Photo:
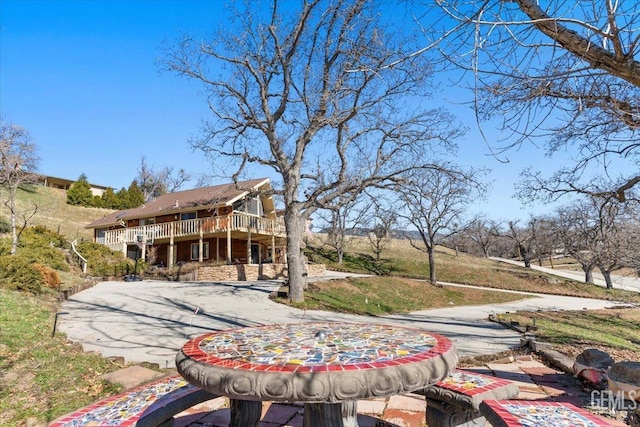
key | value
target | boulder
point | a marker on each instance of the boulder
(595, 358)
(629, 372)
(625, 377)
(592, 365)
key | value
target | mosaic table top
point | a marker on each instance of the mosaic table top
(521, 413)
(471, 383)
(471, 388)
(368, 360)
(125, 409)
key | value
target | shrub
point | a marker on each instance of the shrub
(5, 246)
(102, 261)
(41, 236)
(172, 273)
(17, 273)
(5, 225)
(51, 277)
(42, 246)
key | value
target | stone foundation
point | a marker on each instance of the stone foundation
(244, 272)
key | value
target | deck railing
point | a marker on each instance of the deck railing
(193, 227)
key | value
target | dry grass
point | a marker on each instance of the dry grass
(55, 214)
(401, 259)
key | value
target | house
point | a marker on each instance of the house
(65, 184)
(222, 224)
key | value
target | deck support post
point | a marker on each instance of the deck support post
(200, 245)
(248, 245)
(171, 248)
(229, 242)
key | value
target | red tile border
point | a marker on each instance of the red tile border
(500, 408)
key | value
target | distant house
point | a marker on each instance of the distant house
(65, 184)
(225, 224)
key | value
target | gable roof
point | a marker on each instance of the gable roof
(187, 200)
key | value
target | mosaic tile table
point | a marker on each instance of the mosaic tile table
(329, 366)
(524, 413)
(148, 405)
(455, 401)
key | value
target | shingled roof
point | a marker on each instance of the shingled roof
(187, 200)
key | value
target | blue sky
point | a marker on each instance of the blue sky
(82, 77)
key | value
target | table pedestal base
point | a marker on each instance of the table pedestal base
(245, 413)
(442, 414)
(344, 414)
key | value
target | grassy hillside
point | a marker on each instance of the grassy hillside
(54, 213)
(400, 259)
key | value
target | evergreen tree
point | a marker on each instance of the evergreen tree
(109, 199)
(79, 193)
(96, 202)
(122, 199)
(135, 196)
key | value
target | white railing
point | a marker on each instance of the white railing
(192, 227)
(83, 260)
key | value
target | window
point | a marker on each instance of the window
(195, 255)
(255, 206)
(251, 205)
(187, 215)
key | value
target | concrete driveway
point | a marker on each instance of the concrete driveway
(149, 321)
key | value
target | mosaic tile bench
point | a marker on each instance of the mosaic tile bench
(152, 405)
(455, 401)
(526, 413)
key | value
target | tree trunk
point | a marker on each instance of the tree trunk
(12, 207)
(588, 275)
(340, 253)
(432, 265)
(296, 270)
(607, 278)
(525, 256)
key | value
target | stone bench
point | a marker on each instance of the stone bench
(518, 413)
(152, 404)
(455, 401)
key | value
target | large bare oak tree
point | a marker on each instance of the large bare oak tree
(18, 164)
(562, 73)
(300, 90)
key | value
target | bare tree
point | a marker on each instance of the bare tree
(18, 164)
(304, 94)
(483, 232)
(155, 182)
(433, 202)
(525, 239)
(599, 235)
(382, 220)
(564, 72)
(577, 235)
(546, 240)
(617, 242)
(343, 213)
